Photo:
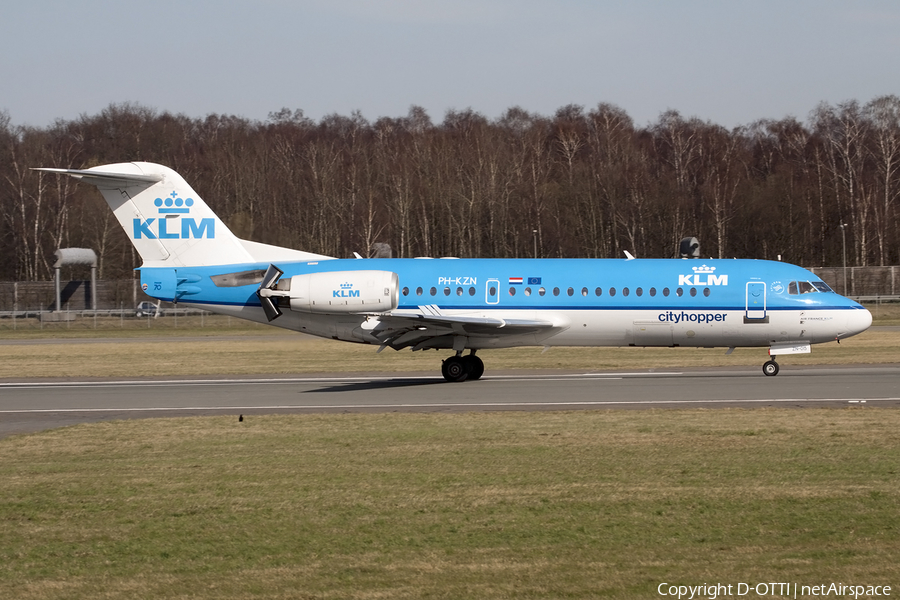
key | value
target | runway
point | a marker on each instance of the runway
(36, 405)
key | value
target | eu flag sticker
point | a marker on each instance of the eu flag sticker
(534, 281)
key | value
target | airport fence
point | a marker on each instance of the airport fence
(114, 319)
(861, 281)
(120, 305)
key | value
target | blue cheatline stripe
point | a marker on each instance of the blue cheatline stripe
(615, 307)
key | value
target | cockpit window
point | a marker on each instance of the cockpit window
(807, 287)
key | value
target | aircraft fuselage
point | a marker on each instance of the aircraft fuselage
(590, 302)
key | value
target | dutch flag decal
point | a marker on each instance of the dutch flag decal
(515, 281)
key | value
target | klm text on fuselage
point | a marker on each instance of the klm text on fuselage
(694, 279)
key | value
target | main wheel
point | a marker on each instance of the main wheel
(454, 369)
(770, 368)
(474, 365)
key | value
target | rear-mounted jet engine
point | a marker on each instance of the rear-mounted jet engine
(329, 292)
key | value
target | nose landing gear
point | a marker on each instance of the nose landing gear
(460, 368)
(770, 368)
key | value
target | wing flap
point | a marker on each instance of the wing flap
(400, 329)
(433, 315)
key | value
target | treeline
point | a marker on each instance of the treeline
(582, 183)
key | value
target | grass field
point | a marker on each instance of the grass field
(605, 504)
(293, 353)
(491, 505)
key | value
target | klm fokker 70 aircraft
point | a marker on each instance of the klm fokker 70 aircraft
(190, 256)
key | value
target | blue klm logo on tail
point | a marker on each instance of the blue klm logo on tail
(164, 230)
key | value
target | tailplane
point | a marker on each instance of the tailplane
(168, 223)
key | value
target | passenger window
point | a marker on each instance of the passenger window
(652, 292)
(679, 292)
(639, 291)
(625, 291)
(612, 291)
(471, 291)
(406, 291)
(542, 291)
(706, 292)
(598, 292)
(584, 291)
(459, 291)
(570, 291)
(512, 291)
(693, 292)
(418, 291)
(528, 291)
(446, 291)
(666, 292)
(556, 291)
(491, 292)
(433, 291)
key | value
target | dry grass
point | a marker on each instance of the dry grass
(274, 352)
(484, 505)
(884, 313)
(495, 505)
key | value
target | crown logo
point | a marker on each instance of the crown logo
(346, 286)
(173, 205)
(704, 269)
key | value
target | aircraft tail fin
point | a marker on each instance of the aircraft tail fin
(168, 223)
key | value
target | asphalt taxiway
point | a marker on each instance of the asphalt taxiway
(28, 406)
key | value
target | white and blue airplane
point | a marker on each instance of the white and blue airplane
(190, 257)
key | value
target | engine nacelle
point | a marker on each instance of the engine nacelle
(345, 292)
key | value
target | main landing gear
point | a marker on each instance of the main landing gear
(460, 368)
(770, 367)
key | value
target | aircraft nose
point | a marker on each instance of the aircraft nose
(857, 321)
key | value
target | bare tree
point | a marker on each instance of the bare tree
(883, 115)
(588, 183)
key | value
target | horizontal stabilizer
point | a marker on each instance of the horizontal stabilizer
(106, 178)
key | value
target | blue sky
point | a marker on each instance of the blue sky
(727, 62)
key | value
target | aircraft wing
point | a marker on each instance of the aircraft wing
(430, 328)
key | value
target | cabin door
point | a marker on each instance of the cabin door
(756, 301)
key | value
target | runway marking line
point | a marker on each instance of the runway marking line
(436, 405)
(169, 382)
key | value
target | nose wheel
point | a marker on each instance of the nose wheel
(460, 368)
(770, 368)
